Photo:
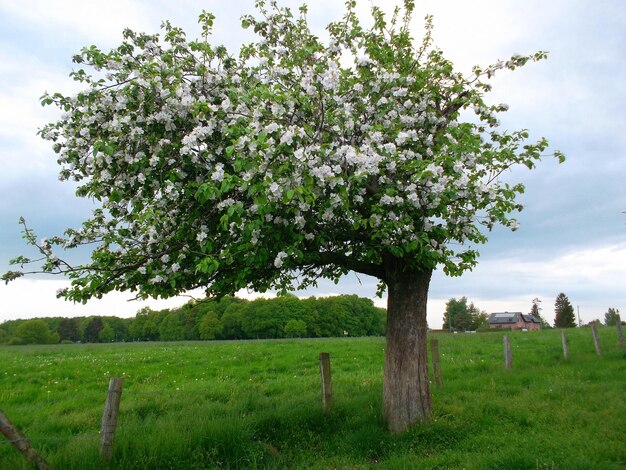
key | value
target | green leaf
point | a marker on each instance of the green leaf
(560, 155)
(227, 185)
(396, 251)
(208, 265)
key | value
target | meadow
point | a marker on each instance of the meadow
(257, 404)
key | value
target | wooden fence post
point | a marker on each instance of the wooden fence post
(109, 417)
(596, 339)
(508, 356)
(620, 334)
(19, 441)
(434, 351)
(564, 341)
(327, 385)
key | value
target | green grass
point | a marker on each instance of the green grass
(257, 404)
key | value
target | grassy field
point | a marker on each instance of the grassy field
(257, 404)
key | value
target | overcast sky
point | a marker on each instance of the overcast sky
(573, 231)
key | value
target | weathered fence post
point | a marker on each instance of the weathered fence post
(564, 341)
(620, 334)
(596, 339)
(434, 351)
(508, 356)
(109, 417)
(19, 441)
(327, 385)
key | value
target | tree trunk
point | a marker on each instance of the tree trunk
(406, 393)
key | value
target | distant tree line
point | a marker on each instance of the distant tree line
(227, 318)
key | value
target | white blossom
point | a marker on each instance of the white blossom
(278, 261)
(364, 60)
(218, 174)
(273, 127)
(330, 78)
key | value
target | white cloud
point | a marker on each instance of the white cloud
(23, 80)
(28, 298)
(592, 278)
(101, 22)
(584, 268)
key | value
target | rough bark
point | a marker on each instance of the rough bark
(406, 393)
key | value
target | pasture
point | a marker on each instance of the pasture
(257, 404)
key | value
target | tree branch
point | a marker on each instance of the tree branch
(352, 264)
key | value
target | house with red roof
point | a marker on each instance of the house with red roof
(513, 321)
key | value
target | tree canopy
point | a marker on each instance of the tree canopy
(290, 161)
(34, 331)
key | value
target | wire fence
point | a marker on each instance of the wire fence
(56, 404)
(64, 401)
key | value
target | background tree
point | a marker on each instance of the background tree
(265, 321)
(564, 312)
(136, 327)
(151, 324)
(171, 328)
(119, 327)
(190, 320)
(35, 332)
(480, 318)
(610, 317)
(535, 312)
(145, 325)
(457, 315)
(232, 321)
(295, 329)
(210, 326)
(93, 326)
(68, 329)
(107, 334)
(293, 161)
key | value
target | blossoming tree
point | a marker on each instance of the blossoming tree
(294, 160)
